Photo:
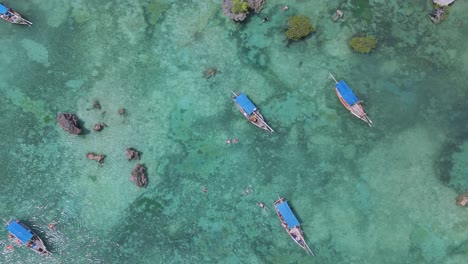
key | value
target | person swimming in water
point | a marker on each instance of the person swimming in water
(265, 19)
(262, 205)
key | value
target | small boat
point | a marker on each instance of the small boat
(350, 101)
(12, 16)
(25, 236)
(291, 224)
(250, 111)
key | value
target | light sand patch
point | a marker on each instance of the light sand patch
(36, 51)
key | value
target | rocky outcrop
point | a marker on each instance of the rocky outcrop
(338, 15)
(98, 127)
(93, 156)
(132, 154)
(255, 5)
(69, 123)
(139, 176)
(462, 200)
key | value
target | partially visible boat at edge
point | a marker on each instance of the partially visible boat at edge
(250, 111)
(25, 236)
(350, 101)
(291, 224)
(12, 16)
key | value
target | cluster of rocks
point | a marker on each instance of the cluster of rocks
(70, 123)
(255, 5)
(138, 175)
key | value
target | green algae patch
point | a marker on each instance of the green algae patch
(21, 100)
(240, 6)
(362, 9)
(299, 27)
(36, 52)
(154, 11)
(81, 15)
(363, 44)
(47, 119)
(458, 172)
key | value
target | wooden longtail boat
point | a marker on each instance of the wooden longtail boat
(291, 224)
(26, 237)
(350, 101)
(12, 16)
(250, 111)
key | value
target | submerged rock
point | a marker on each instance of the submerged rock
(132, 154)
(139, 176)
(122, 111)
(69, 123)
(93, 156)
(210, 72)
(96, 105)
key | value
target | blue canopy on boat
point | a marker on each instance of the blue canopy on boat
(346, 93)
(287, 214)
(3, 9)
(19, 231)
(245, 103)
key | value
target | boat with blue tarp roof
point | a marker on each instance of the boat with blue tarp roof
(291, 224)
(250, 111)
(25, 236)
(12, 16)
(350, 101)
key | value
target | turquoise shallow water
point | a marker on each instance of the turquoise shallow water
(384, 194)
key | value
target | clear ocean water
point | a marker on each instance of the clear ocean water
(384, 194)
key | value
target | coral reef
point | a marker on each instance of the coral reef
(69, 123)
(299, 27)
(139, 176)
(363, 44)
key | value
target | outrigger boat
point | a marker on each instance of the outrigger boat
(291, 224)
(350, 101)
(25, 236)
(250, 111)
(12, 16)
